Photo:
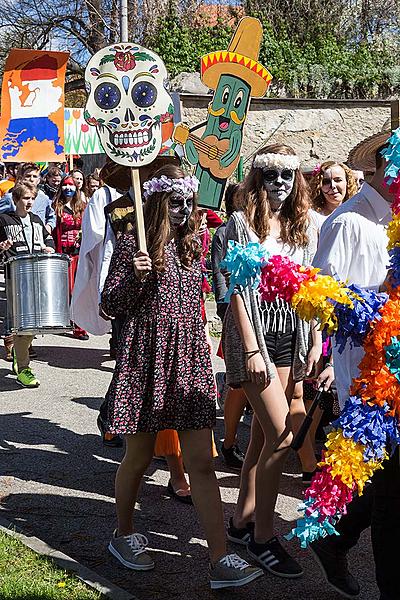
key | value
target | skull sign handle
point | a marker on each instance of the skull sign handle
(127, 103)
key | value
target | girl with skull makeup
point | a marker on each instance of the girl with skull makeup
(163, 376)
(267, 348)
(69, 206)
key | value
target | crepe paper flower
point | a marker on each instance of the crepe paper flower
(244, 264)
(392, 355)
(368, 425)
(354, 322)
(393, 232)
(281, 278)
(310, 527)
(316, 170)
(394, 189)
(346, 460)
(392, 154)
(185, 186)
(316, 299)
(329, 495)
(394, 266)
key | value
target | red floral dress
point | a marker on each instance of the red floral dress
(163, 376)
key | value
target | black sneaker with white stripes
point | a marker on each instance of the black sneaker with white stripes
(273, 557)
(239, 535)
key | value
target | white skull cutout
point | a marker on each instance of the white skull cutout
(128, 102)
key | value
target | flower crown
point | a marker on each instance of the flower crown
(183, 185)
(277, 161)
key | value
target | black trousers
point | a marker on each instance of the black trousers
(378, 508)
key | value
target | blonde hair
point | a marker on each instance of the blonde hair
(317, 197)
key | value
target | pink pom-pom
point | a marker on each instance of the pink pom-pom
(394, 188)
(329, 496)
(281, 278)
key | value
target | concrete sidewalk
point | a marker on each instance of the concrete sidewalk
(57, 484)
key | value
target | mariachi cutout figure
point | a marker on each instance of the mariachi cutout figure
(128, 103)
(236, 76)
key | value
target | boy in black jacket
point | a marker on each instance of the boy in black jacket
(22, 232)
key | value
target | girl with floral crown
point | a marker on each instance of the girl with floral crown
(267, 348)
(163, 376)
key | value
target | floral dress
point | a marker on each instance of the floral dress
(163, 376)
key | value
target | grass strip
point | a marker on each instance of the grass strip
(25, 575)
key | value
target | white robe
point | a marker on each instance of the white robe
(87, 287)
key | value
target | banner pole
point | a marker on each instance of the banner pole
(141, 234)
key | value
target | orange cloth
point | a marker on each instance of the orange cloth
(167, 444)
(5, 186)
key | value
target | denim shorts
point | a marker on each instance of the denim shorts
(281, 347)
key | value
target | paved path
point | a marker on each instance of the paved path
(57, 484)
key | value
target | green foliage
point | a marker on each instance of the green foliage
(324, 65)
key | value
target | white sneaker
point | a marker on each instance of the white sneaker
(131, 551)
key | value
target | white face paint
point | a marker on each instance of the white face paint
(279, 184)
(180, 209)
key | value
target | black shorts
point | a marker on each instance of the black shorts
(281, 347)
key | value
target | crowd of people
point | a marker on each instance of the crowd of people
(162, 396)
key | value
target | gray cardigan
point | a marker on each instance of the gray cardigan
(232, 345)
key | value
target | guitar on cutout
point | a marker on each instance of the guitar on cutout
(210, 151)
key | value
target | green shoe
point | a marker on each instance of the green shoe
(14, 363)
(28, 379)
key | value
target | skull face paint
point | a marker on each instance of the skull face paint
(128, 101)
(180, 209)
(278, 184)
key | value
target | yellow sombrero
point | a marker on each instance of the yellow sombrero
(240, 60)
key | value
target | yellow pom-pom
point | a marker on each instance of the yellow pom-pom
(346, 460)
(316, 297)
(393, 232)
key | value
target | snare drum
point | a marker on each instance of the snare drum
(38, 293)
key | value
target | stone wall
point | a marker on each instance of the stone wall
(318, 129)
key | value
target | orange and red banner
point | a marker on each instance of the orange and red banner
(32, 106)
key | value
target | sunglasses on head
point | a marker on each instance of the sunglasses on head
(273, 174)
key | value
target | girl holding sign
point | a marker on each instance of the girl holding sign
(163, 377)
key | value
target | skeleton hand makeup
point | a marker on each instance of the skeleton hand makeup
(278, 184)
(180, 209)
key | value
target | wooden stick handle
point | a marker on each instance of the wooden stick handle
(139, 210)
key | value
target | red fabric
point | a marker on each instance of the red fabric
(220, 351)
(213, 220)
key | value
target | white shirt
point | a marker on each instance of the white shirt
(319, 218)
(353, 248)
(28, 231)
(85, 296)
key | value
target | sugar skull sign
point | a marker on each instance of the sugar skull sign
(128, 102)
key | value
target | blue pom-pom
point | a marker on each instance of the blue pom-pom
(369, 425)
(354, 322)
(395, 266)
(392, 354)
(392, 155)
(244, 264)
(310, 528)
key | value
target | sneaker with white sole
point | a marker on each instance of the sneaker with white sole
(273, 557)
(238, 535)
(131, 551)
(232, 571)
(27, 379)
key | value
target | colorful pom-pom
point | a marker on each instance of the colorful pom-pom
(354, 322)
(316, 299)
(244, 264)
(281, 278)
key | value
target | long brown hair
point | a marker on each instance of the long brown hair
(158, 228)
(293, 216)
(317, 197)
(59, 200)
